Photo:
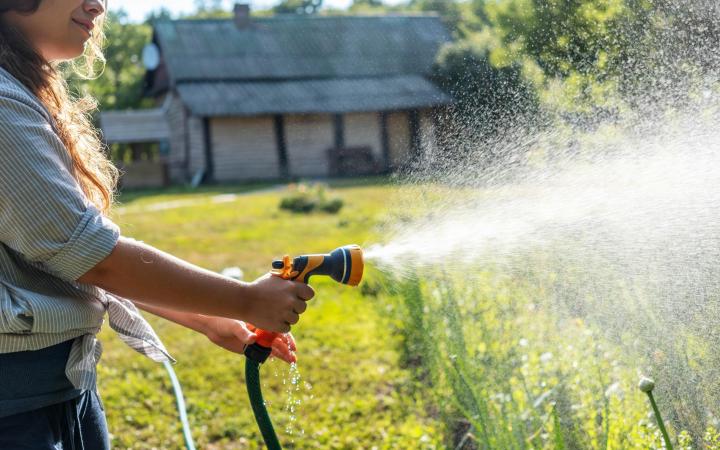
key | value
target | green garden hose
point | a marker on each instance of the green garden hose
(344, 265)
(252, 380)
(256, 355)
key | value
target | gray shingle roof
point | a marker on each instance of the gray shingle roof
(140, 125)
(310, 96)
(286, 46)
(300, 64)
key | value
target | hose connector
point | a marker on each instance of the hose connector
(262, 348)
(258, 353)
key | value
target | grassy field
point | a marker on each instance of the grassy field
(352, 391)
(514, 356)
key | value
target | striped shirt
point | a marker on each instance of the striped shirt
(50, 235)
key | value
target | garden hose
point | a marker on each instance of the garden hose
(344, 265)
(177, 389)
(252, 381)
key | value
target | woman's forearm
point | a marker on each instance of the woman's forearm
(149, 276)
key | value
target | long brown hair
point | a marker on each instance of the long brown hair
(94, 172)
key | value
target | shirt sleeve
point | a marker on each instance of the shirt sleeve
(44, 215)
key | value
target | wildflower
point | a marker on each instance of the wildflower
(646, 384)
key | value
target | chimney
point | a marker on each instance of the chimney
(242, 15)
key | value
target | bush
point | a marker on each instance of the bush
(331, 206)
(305, 199)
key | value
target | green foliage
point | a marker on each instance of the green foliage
(563, 37)
(210, 9)
(372, 3)
(498, 356)
(589, 59)
(492, 96)
(121, 84)
(159, 14)
(372, 7)
(305, 199)
(298, 7)
(449, 10)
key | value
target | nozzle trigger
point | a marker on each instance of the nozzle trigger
(283, 269)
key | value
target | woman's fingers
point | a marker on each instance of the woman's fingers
(243, 333)
(288, 357)
(273, 303)
(281, 349)
(292, 318)
(299, 306)
(305, 292)
(290, 341)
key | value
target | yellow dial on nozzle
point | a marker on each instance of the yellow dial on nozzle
(357, 264)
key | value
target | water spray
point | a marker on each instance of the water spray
(344, 265)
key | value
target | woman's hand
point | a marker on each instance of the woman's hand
(274, 304)
(236, 335)
(133, 268)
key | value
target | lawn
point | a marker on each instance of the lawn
(352, 391)
(497, 355)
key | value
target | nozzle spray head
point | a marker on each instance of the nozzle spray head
(344, 265)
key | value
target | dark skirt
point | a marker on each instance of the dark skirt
(76, 424)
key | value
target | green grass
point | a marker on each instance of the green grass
(487, 358)
(511, 369)
(353, 391)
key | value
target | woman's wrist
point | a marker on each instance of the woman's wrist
(247, 298)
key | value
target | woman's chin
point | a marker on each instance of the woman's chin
(68, 54)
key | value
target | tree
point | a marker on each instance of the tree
(121, 84)
(669, 49)
(564, 37)
(487, 98)
(161, 14)
(202, 6)
(209, 9)
(375, 7)
(449, 10)
(371, 3)
(298, 7)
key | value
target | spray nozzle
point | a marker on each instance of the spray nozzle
(344, 265)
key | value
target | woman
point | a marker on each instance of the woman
(63, 264)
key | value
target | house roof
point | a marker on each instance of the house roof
(142, 125)
(295, 46)
(300, 64)
(248, 98)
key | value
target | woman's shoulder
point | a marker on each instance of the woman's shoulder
(13, 92)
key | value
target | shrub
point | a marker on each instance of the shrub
(305, 199)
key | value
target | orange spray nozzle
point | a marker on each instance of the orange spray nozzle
(344, 265)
